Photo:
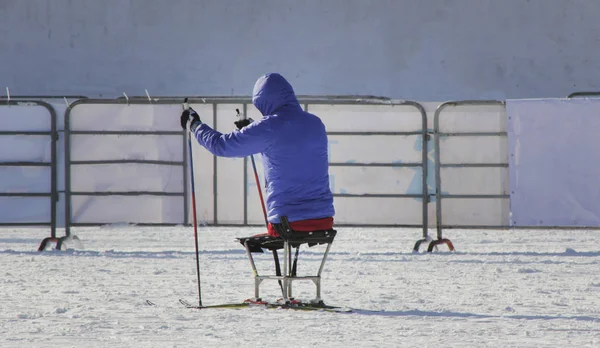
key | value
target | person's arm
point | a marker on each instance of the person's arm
(251, 140)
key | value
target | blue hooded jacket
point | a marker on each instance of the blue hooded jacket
(293, 144)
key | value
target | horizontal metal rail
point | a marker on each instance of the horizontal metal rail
(26, 194)
(126, 193)
(25, 164)
(124, 132)
(358, 164)
(583, 95)
(129, 161)
(475, 196)
(475, 165)
(473, 134)
(334, 99)
(30, 223)
(378, 195)
(4, 132)
(366, 133)
(43, 97)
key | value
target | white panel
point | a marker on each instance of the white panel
(399, 211)
(230, 172)
(554, 165)
(25, 179)
(230, 188)
(24, 209)
(92, 147)
(474, 181)
(205, 111)
(475, 211)
(473, 149)
(126, 177)
(130, 176)
(226, 115)
(30, 148)
(375, 149)
(252, 112)
(127, 209)
(133, 117)
(203, 181)
(368, 118)
(26, 117)
(472, 118)
(375, 180)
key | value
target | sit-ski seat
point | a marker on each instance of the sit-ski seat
(287, 240)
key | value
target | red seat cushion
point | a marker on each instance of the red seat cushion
(305, 226)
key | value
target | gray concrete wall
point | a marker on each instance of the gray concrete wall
(427, 50)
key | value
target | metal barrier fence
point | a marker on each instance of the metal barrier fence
(70, 163)
(306, 102)
(51, 135)
(423, 195)
(438, 134)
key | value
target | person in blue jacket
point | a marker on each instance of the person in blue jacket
(293, 145)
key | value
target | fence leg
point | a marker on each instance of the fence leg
(440, 241)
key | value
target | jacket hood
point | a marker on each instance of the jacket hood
(272, 92)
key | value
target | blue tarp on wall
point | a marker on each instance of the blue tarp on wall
(554, 162)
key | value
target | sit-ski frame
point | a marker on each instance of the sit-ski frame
(287, 241)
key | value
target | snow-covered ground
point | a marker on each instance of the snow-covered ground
(498, 289)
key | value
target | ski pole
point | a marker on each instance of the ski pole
(187, 107)
(262, 202)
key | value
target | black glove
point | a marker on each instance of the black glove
(243, 123)
(187, 115)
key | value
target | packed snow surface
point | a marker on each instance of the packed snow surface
(509, 288)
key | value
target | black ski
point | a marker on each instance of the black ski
(301, 306)
(294, 306)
